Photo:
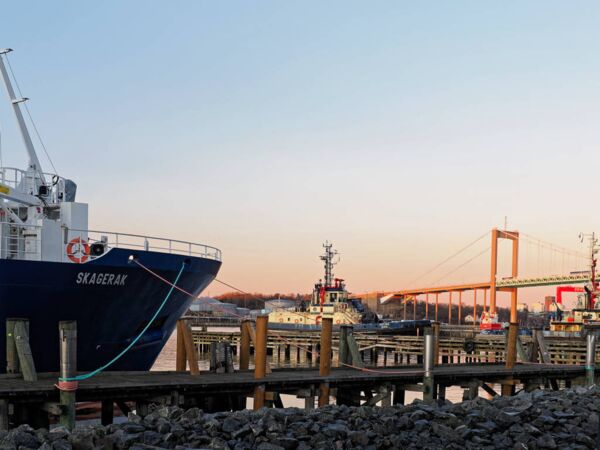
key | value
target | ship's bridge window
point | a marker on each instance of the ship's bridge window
(333, 297)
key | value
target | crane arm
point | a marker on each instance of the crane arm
(8, 193)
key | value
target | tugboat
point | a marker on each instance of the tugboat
(330, 299)
(53, 268)
(489, 323)
(587, 311)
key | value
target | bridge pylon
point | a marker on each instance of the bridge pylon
(514, 237)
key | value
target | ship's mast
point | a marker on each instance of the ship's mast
(34, 163)
(328, 258)
(591, 295)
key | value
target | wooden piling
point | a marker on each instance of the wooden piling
(260, 359)
(186, 351)
(325, 359)
(12, 359)
(180, 356)
(511, 356)
(67, 330)
(435, 328)
(344, 351)
(245, 345)
(21, 340)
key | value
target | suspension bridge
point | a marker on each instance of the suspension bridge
(539, 264)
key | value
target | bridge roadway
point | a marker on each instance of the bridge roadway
(144, 386)
(501, 284)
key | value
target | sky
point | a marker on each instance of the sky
(400, 131)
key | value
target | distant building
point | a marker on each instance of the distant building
(537, 307)
(214, 307)
(280, 303)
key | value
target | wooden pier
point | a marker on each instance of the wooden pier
(354, 368)
(214, 392)
(456, 345)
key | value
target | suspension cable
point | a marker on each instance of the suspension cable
(462, 265)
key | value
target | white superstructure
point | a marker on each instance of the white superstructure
(41, 221)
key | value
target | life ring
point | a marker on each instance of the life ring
(338, 321)
(318, 320)
(81, 254)
(296, 321)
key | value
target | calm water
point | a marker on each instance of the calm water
(166, 361)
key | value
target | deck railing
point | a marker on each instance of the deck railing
(148, 243)
(21, 241)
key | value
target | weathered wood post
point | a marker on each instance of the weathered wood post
(245, 344)
(260, 359)
(325, 359)
(435, 328)
(590, 358)
(186, 351)
(67, 330)
(19, 358)
(344, 351)
(511, 357)
(12, 359)
(428, 364)
(180, 356)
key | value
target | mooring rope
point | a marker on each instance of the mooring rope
(88, 375)
(281, 338)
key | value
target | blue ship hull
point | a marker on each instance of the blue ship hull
(111, 298)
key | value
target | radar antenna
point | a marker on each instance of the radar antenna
(329, 263)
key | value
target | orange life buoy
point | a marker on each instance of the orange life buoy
(338, 321)
(318, 320)
(296, 321)
(81, 253)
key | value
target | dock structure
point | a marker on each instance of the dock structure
(353, 368)
(456, 345)
(213, 392)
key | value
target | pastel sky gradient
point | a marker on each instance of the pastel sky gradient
(398, 130)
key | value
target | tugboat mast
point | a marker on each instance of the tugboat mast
(328, 258)
(593, 291)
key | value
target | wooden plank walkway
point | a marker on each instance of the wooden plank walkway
(146, 385)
